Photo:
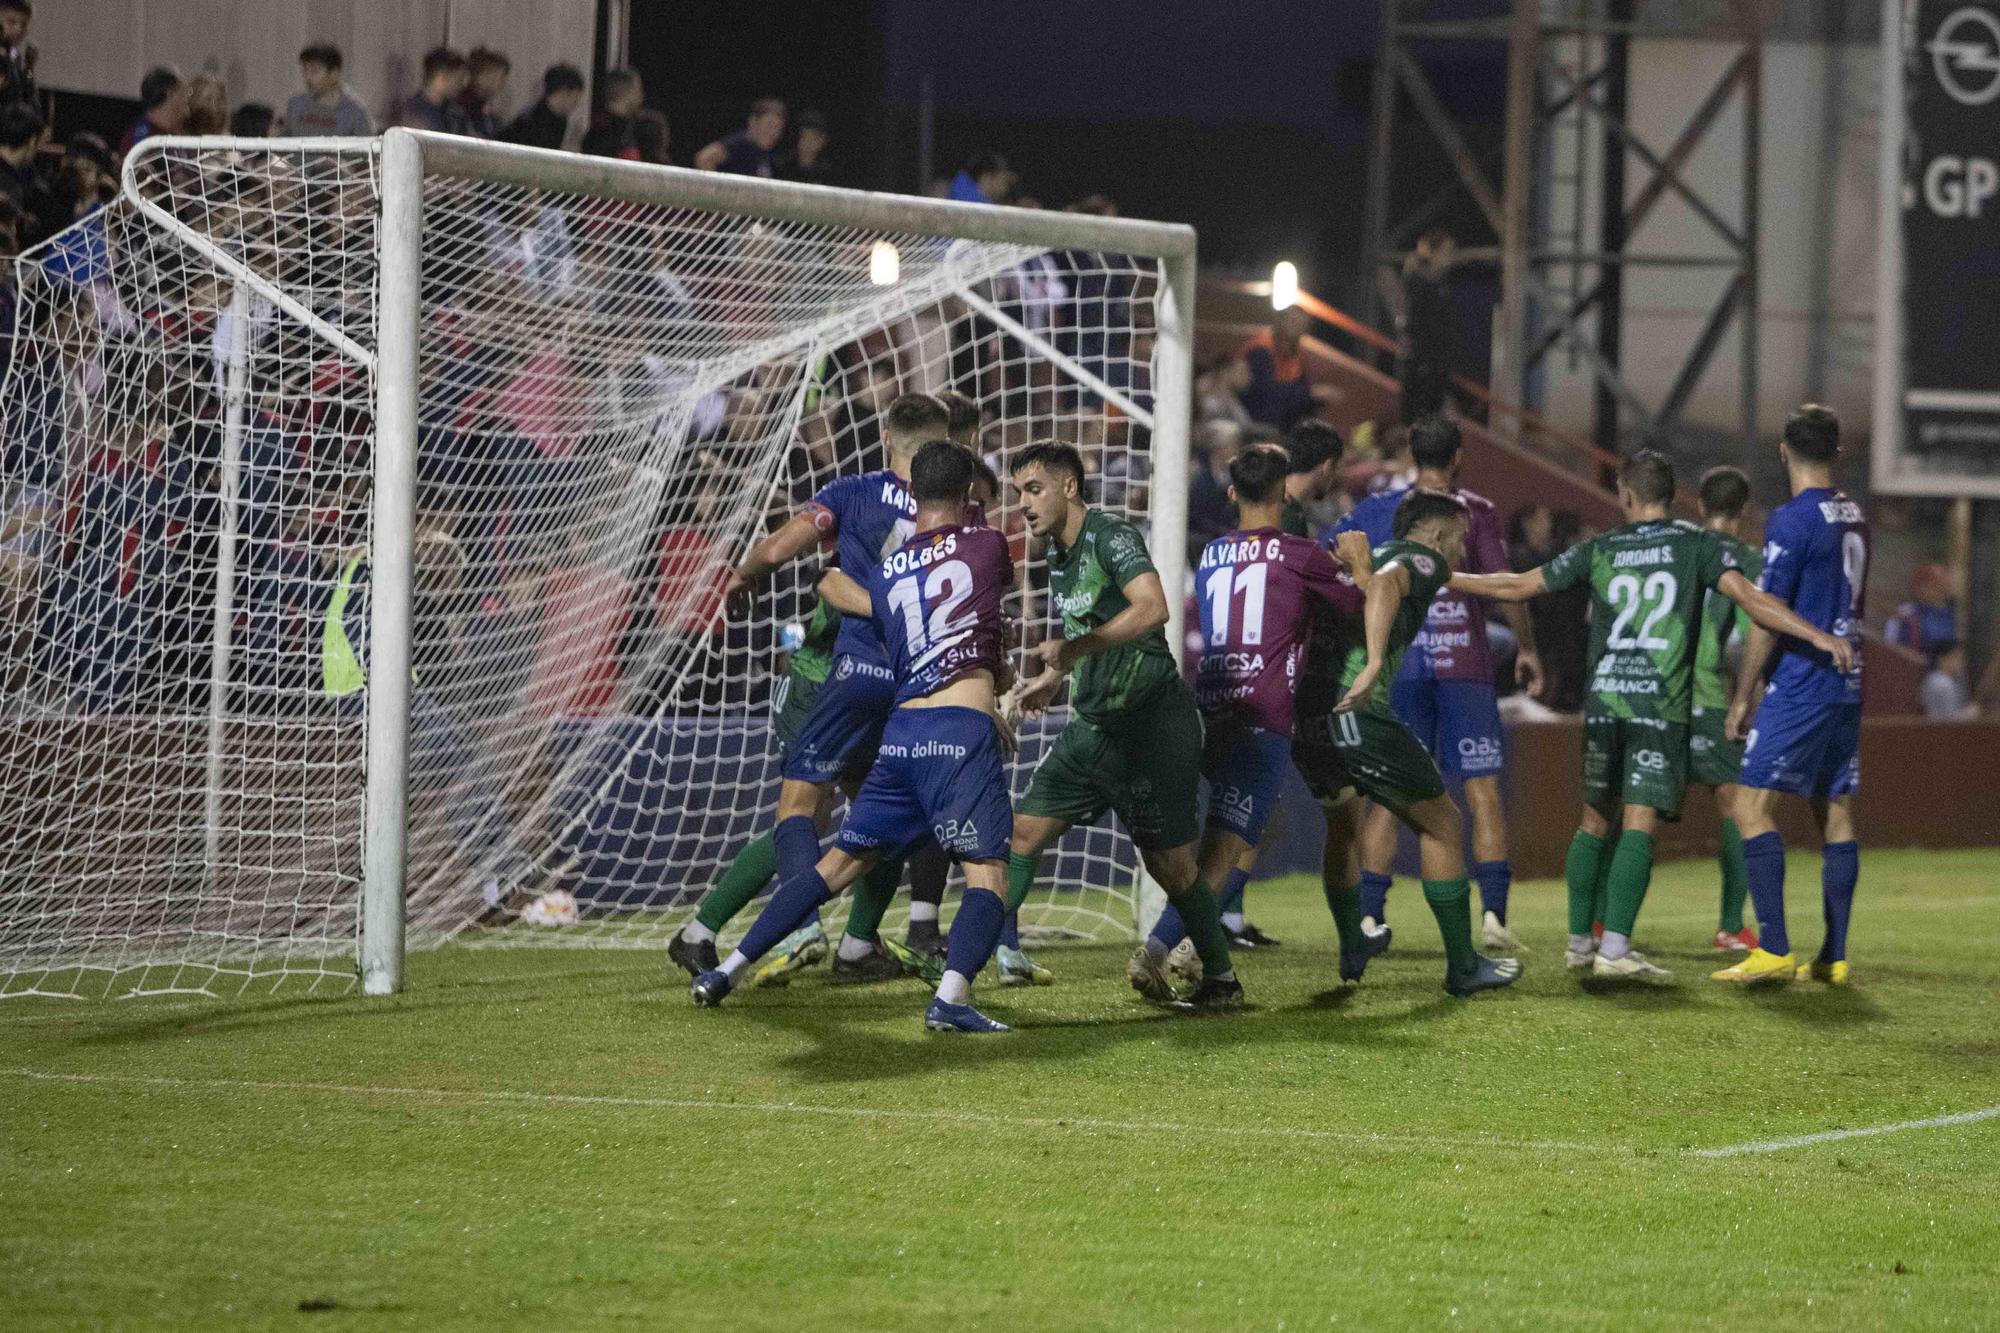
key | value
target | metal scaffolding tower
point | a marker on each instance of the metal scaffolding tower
(1564, 248)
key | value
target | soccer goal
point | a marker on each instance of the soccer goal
(370, 503)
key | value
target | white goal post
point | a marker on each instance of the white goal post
(489, 424)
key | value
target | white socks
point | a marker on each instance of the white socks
(1232, 921)
(1582, 944)
(853, 950)
(696, 933)
(1614, 945)
(956, 988)
(735, 963)
(924, 912)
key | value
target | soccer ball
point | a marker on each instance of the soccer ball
(551, 910)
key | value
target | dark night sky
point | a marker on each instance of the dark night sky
(1247, 119)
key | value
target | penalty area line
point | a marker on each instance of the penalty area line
(1836, 1135)
(1084, 1123)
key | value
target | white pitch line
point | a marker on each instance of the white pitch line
(800, 1108)
(1835, 1135)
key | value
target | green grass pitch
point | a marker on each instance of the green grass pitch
(560, 1140)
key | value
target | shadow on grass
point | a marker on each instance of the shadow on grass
(1818, 1006)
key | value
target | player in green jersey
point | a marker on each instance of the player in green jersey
(1360, 738)
(1647, 581)
(1134, 742)
(1713, 758)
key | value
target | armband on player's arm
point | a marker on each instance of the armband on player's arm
(1501, 587)
(798, 535)
(844, 595)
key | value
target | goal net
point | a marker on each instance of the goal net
(369, 505)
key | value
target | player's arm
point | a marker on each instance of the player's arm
(1768, 613)
(1145, 611)
(710, 157)
(1351, 548)
(1378, 616)
(1502, 587)
(844, 595)
(797, 536)
(1527, 659)
(1758, 645)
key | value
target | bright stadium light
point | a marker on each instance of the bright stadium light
(1284, 285)
(885, 266)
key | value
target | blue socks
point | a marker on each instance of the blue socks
(1230, 900)
(1764, 867)
(1168, 930)
(974, 932)
(1838, 874)
(1010, 933)
(1375, 895)
(797, 843)
(795, 901)
(1494, 879)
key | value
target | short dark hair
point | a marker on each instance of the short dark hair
(762, 105)
(1724, 491)
(87, 145)
(1420, 507)
(1311, 443)
(20, 123)
(941, 472)
(562, 79)
(441, 60)
(917, 414)
(983, 470)
(1434, 440)
(1813, 433)
(1259, 472)
(1649, 475)
(19, 7)
(158, 86)
(963, 410)
(1053, 457)
(324, 54)
(485, 57)
(252, 120)
(810, 119)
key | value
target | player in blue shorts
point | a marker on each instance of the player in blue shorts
(1444, 688)
(1806, 735)
(936, 605)
(1258, 589)
(864, 517)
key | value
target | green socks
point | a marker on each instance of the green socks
(1631, 873)
(1202, 920)
(872, 895)
(745, 879)
(1586, 854)
(1345, 904)
(1451, 904)
(1021, 869)
(1735, 880)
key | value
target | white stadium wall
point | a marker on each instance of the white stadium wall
(106, 46)
(1810, 263)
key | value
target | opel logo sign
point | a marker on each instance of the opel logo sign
(1966, 55)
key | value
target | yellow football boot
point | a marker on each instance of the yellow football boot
(1833, 974)
(1757, 968)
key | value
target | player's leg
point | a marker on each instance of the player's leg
(1414, 699)
(1840, 870)
(930, 867)
(807, 946)
(961, 787)
(1730, 931)
(1379, 829)
(1787, 749)
(862, 956)
(1470, 746)
(693, 947)
(1333, 788)
(1242, 933)
(1068, 788)
(1652, 773)
(796, 900)
(1585, 866)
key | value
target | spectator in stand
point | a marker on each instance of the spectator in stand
(1944, 684)
(208, 105)
(614, 132)
(1271, 376)
(163, 98)
(1929, 617)
(435, 105)
(984, 179)
(1210, 511)
(748, 151)
(254, 120)
(17, 55)
(1561, 620)
(1430, 326)
(21, 180)
(653, 134)
(546, 123)
(806, 159)
(325, 108)
(486, 79)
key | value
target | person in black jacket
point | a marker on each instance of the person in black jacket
(1430, 327)
(615, 131)
(17, 55)
(546, 123)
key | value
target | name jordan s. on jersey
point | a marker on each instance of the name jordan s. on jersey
(1816, 562)
(1647, 581)
(937, 606)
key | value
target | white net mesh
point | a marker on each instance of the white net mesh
(615, 399)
